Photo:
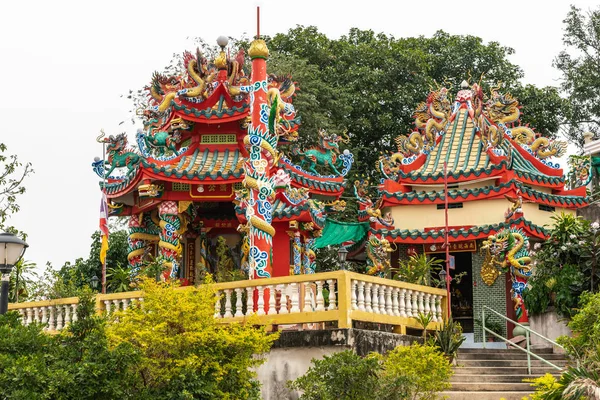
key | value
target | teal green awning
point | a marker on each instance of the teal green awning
(336, 233)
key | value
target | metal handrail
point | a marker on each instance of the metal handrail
(527, 332)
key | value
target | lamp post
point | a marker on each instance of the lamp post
(342, 254)
(94, 282)
(11, 250)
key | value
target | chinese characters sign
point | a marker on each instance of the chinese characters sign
(469, 245)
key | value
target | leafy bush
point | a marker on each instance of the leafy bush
(449, 338)
(566, 265)
(412, 372)
(343, 375)
(184, 351)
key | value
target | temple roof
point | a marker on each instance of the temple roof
(391, 197)
(416, 236)
(202, 165)
(459, 147)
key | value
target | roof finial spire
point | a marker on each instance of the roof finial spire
(257, 22)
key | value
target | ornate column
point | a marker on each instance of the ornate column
(170, 247)
(297, 253)
(309, 256)
(261, 145)
(142, 232)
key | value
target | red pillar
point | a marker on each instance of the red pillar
(261, 146)
(281, 250)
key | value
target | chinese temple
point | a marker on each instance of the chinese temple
(210, 186)
(503, 187)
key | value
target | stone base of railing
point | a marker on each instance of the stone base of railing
(299, 302)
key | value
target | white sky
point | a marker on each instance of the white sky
(64, 64)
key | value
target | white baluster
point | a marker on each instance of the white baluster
(35, 316)
(218, 304)
(74, 309)
(307, 294)
(23, 316)
(44, 316)
(272, 300)
(107, 306)
(116, 305)
(67, 308)
(320, 299)
(409, 303)
(382, 305)
(421, 307)
(59, 318)
(426, 304)
(333, 298)
(283, 299)
(51, 319)
(402, 304)
(375, 298)
(438, 308)
(361, 295)
(238, 303)
(126, 303)
(295, 298)
(432, 307)
(389, 306)
(368, 307)
(227, 304)
(29, 316)
(261, 301)
(249, 300)
(415, 303)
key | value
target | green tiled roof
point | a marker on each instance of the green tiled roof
(463, 233)
(207, 164)
(459, 147)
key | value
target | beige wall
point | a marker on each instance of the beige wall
(480, 212)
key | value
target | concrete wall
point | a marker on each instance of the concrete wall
(550, 325)
(293, 352)
(591, 212)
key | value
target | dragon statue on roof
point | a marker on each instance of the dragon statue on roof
(325, 154)
(378, 256)
(119, 155)
(508, 251)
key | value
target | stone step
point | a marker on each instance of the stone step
(454, 395)
(535, 371)
(491, 387)
(506, 356)
(493, 378)
(509, 363)
(536, 350)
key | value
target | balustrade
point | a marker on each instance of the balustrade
(297, 301)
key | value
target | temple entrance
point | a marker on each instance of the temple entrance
(462, 292)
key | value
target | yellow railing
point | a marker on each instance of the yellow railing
(336, 297)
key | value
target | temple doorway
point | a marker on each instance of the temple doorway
(462, 292)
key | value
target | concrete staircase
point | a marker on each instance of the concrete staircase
(492, 374)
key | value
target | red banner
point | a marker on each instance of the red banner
(455, 247)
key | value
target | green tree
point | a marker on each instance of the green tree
(185, 352)
(82, 270)
(76, 364)
(12, 174)
(370, 84)
(21, 281)
(579, 63)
